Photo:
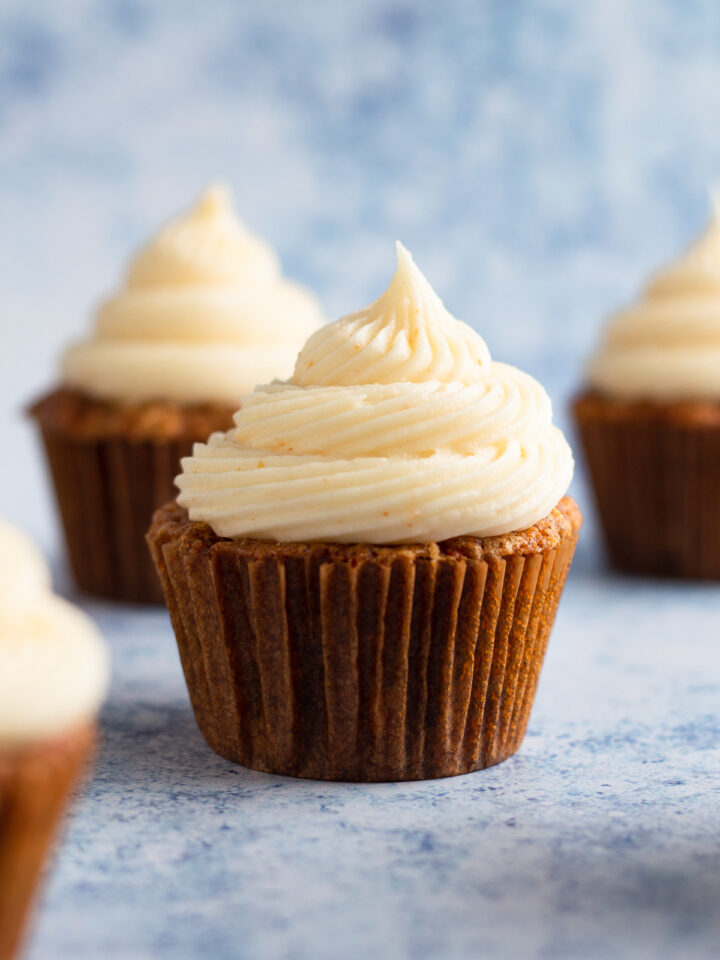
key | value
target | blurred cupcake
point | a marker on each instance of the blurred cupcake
(650, 421)
(53, 676)
(203, 315)
(362, 575)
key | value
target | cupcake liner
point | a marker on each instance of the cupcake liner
(355, 662)
(112, 467)
(35, 785)
(655, 472)
(106, 491)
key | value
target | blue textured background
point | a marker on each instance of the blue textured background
(538, 159)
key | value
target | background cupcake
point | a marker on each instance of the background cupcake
(53, 675)
(203, 315)
(363, 573)
(650, 420)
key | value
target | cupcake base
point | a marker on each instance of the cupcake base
(359, 662)
(655, 472)
(112, 466)
(35, 786)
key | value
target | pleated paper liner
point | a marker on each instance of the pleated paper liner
(35, 786)
(108, 485)
(655, 472)
(363, 663)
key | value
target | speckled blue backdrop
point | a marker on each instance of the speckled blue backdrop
(538, 159)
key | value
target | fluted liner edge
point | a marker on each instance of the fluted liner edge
(656, 481)
(396, 666)
(35, 785)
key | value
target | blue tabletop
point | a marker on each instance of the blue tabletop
(599, 839)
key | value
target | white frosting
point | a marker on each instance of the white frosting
(667, 346)
(23, 570)
(405, 336)
(204, 315)
(396, 427)
(53, 662)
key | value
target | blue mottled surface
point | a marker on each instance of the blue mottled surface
(598, 840)
(538, 158)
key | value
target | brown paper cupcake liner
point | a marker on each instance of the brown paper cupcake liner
(106, 490)
(35, 786)
(655, 472)
(362, 663)
(108, 482)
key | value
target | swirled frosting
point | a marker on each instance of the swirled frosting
(53, 662)
(396, 427)
(666, 347)
(204, 315)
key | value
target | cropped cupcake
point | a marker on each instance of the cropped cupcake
(204, 313)
(650, 421)
(362, 574)
(53, 676)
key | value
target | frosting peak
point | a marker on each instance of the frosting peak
(698, 268)
(405, 336)
(395, 428)
(667, 345)
(215, 199)
(204, 315)
(53, 662)
(206, 246)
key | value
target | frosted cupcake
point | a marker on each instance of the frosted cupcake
(362, 574)
(53, 676)
(204, 313)
(650, 421)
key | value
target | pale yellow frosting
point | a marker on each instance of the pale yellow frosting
(204, 315)
(666, 347)
(53, 663)
(396, 427)
(405, 336)
(23, 570)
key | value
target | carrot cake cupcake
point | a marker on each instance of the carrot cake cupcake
(53, 676)
(363, 572)
(204, 313)
(649, 419)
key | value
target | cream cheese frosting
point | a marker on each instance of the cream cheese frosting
(396, 427)
(53, 663)
(204, 315)
(666, 347)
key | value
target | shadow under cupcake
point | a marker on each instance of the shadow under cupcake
(363, 574)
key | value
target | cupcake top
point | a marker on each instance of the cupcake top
(666, 347)
(396, 427)
(203, 314)
(53, 662)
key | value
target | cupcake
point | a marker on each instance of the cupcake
(53, 675)
(204, 313)
(649, 420)
(362, 574)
